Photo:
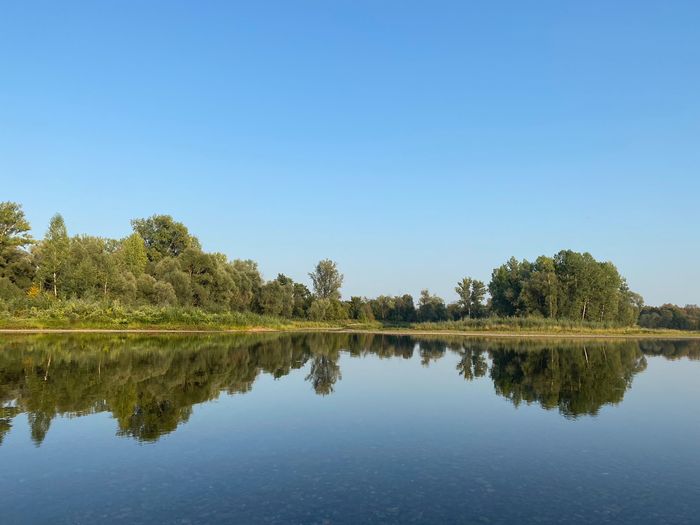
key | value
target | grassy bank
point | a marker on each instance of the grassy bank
(94, 316)
(83, 315)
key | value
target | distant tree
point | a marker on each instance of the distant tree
(91, 268)
(247, 282)
(133, 255)
(670, 316)
(360, 309)
(53, 253)
(383, 307)
(169, 270)
(327, 280)
(404, 309)
(464, 291)
(277, 297)
(471, 294)
(477, 299)
(302, 301)
(16, 267)
(541, 292)
(14, 227)
(431, 308)
(506, 287)
(163, 236)
(570, 285)
(327, 310)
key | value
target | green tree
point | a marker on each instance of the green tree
(506, 287)
(478, 295)
(247, 282)
(53, 253)
(170, 271)
(16, 268)
(163, 236)
(327, 310)
(14, 227)
(359, 309)
(431, 308)
(327, 280)
(91, 268)
(302, 301)
(464, 291)
(277, 297)
(541, 291)
(133, 255)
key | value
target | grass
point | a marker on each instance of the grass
(76, 314)
(80, 314)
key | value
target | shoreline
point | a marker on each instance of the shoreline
(344, 330)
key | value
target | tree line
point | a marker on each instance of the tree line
(161, 263)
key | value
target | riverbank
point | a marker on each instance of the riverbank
(79, 317)
(395, 331)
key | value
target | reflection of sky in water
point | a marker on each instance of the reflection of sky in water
(395, 442)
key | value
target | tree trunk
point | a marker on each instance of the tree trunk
(55, 288)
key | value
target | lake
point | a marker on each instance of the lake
(347, 428)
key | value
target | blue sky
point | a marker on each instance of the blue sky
(412, 142)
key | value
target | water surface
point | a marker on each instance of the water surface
(341, 428)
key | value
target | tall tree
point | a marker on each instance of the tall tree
(327, 280)
(431, 308)
(14, 227)
(133, 255)
(477, 298)
(163, 236)
(464, 291)
(54, 252)
(506, 287)
(16, 267)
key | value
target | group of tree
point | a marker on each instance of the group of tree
(162, 263)
(671, 316)
(570, 285)
(159, 263)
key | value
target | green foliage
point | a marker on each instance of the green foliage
(360, 309)
(327, 280)
(162, 265)
(163, 236)
(671, 316)
(471, 294)
(277, 297)
(132, 254)
(431, 308)
(14, 227)
(149, 384)
(327, 310)
(397, 309)
(570, 285)
(53, 254)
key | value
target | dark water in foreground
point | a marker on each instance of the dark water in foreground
(330, 428)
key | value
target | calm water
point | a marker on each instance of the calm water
(330, 428)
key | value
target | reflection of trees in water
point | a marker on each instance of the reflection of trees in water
(677, 349)
(324, 370)
(575, 379)
(323, 374)
(472, 363)
(150, 384)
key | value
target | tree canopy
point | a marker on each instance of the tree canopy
(161, 263)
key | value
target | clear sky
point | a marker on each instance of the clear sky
(412, 142)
